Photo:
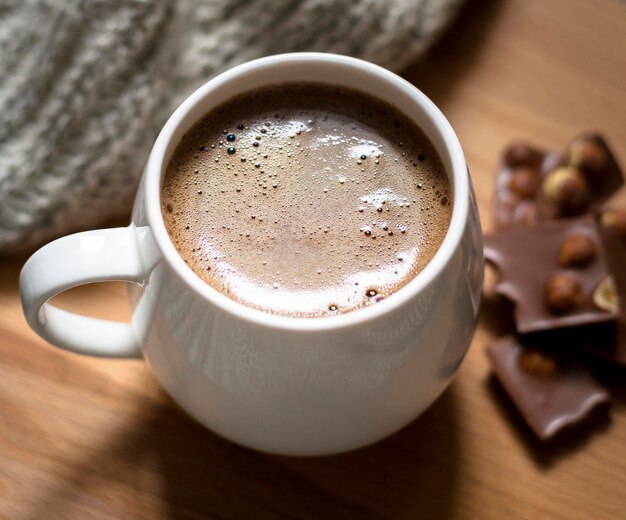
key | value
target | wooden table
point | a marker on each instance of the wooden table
(85, 438)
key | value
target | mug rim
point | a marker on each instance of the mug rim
(458, 175)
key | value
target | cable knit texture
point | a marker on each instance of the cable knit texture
(85, 86)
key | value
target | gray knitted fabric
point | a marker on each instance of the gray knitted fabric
(85, 86)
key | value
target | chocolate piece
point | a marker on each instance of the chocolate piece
(535, 185)
(609, 342)
(547, 295)
(551, 390)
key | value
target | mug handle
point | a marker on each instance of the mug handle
(91, 256)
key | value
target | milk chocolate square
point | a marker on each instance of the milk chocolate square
(553, 272)
(549, 387)
(533, 185)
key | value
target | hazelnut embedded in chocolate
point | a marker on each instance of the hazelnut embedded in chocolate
(567, 190)
(615, 221)
(588, 156)
(519, 154)
(577, 250)
(536, 362)
(606, 297)
(524, 182)
(551, 402)
(563, 293)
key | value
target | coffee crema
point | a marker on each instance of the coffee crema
(306, 200)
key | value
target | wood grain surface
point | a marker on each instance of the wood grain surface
(85, 438)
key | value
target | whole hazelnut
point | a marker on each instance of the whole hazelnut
(577, 250)
(524, 182)
(519, 154)
(563, 293)
(614, 220)
(588, 156)
(537, 362)
(566, 189)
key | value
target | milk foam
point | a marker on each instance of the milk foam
(306, 200)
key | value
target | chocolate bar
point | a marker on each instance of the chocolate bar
(549, 387)
(534, 185)
(555, 273)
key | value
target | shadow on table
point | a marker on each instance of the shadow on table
(496, 314)
(165, 465)
(199, 475)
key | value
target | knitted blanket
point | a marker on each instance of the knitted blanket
(85, 86)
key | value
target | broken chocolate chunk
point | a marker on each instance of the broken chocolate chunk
(548, 295)
(609, 341)
(535, 185)
(550, 388)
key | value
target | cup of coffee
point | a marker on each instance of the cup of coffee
(306, 252)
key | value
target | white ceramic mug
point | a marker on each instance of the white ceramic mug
(299, 386)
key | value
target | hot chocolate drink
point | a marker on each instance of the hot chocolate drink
(306, 200)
